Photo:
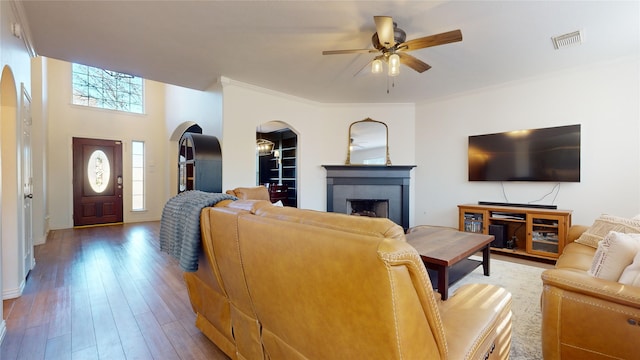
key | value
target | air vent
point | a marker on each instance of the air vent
(570, 39)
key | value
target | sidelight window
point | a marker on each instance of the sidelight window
(137, 175)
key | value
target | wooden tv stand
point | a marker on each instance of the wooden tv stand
(534, 233)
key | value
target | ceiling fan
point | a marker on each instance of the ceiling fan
(389, 40)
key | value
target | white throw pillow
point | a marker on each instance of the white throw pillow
(278, 203)
(615, 252)
(631, 274)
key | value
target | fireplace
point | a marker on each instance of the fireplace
(370, 190)
(371, 208)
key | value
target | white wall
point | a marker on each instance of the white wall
(603, 98)
(15, 59)
(68, 121)
(322, 135)
(201, 107)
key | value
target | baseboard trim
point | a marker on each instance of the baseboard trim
(13, 293)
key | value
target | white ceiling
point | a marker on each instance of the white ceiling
(278, 44)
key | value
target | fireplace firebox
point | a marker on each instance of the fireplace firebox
(371, 208)
(380, 191)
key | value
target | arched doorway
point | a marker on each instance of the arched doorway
(11, 235)
(277, 164)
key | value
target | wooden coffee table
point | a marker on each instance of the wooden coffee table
(447, 252)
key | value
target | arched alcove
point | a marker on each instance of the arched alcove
(277, 166)
(10, 208)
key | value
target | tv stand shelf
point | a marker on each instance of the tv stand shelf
(535, 233)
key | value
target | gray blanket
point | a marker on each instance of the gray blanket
(180, 225)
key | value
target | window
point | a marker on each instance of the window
(98, 171)
(107, 89)
(137, 175)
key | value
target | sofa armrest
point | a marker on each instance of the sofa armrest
(575, 231)
(477, 322)
(250, 193)
(582, 283)
(587, 318)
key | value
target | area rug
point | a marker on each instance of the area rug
(525, 286)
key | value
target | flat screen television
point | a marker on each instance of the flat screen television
(547, 154)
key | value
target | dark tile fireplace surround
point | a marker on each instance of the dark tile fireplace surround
(370, 190)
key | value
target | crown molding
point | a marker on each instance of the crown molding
(225, 81)
(21, 20)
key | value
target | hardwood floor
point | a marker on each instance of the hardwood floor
(104, 293)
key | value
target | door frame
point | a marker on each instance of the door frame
(109, 208)
(26, 168)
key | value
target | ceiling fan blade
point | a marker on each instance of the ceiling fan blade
(432, 40)
(413, 62)
(354, 51)
(384, 28)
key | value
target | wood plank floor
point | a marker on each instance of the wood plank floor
(104, 293)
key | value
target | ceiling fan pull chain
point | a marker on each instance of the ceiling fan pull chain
(393, 82)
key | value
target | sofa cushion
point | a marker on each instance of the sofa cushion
(576, 256)
(615, 252)
(603, 225)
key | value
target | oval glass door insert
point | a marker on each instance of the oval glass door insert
(98, 171)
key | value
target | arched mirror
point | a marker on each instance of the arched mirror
(368, 143)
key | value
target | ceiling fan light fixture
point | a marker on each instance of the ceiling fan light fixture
(394, 65)
(376, 66)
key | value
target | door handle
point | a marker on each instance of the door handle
(28, 196)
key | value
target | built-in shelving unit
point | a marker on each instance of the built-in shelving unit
(280, 167)
(529, 232)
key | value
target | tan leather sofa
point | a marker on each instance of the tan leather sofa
(585, 317)
(286, 283)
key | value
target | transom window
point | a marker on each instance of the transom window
(107, 89)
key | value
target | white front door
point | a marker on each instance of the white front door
(27, 182)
